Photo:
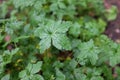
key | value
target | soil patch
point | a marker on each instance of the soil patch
(113, 28)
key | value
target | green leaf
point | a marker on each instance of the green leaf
(7, 56)
(87, 51)
(22, 4)
(97, 78)
(75, 29)
(58, 64)
(37, 77)
(41, 33)
(79, 75)
(22, 74)
(6, 77)
(1, 38)
(94, 71)
(56, 5)
(118, 71)
(114, 58)
(15, 25)
(30, 72)
(61, 5)
(111, 13)
(54, 32)
(59, 75)
(45, 44)
(19, 38)
(60, 41)
(3, 10)
(62, 26)
(25, 78)
(102, 24)
(73, 64)
(29, 67)
(14, 51)
(36, 67)
(39, 4)
(53, 7)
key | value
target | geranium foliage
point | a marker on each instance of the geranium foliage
(57, 40)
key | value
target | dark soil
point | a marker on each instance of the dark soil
(113, 28)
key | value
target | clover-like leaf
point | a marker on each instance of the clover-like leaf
(87, 52)
(30, 72)
(53, 32)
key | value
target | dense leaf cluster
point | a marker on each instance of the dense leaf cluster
(57, 40)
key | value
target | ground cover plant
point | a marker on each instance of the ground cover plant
(57, 40)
